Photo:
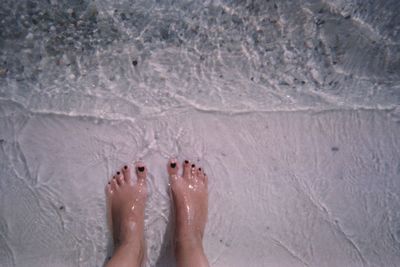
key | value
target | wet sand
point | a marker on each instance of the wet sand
(286, 188)
(292, 107)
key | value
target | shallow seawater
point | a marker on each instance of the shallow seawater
(291, 107)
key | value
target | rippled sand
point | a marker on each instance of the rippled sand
(292, 109)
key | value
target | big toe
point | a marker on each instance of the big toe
(141, 172)
(172, 167)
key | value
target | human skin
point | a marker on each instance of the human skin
(127, 200)
(190, 198)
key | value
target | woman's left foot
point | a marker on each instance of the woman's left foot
(127, 200)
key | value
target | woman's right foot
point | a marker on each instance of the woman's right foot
(190, 197)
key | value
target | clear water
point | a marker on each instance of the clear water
(291, 106)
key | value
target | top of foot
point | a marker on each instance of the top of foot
(127, 199)
(189, 191)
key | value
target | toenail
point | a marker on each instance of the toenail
(118, 173)
(109, 182)
(199, 169)
(193, 165)
(173, 165)
(141, 169)
(125, 167)
(186, 161)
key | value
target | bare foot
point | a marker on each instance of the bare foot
(190, 197)
(127, 200)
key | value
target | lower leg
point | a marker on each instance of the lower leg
(189, 254)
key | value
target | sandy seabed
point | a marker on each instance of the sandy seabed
(291, 107)
(286, 188)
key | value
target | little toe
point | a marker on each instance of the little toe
(187, 170)
(141, 172)
(108, 188)
(126, 171)
(205, 179)
(199, 173)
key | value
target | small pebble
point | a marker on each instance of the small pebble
(29, 36)
(3, 72)
(134, 62)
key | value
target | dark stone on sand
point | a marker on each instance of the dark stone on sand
(320, 22)
(134, 62)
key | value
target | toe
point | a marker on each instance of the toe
(186, 170)
(200, 174)
(109, 190)
(141, 172)
(193, 171)
(120, 178)
(114, 183)
(172, 167)
(127, 173)
(205, 179)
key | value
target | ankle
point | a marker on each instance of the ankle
(126, 255)
(188, 240)
(190, 252)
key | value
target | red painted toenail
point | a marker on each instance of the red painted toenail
(118, 173)
(186, 161)
(141, 169)
(173, 165)
(199, 169)
(125, 167)
(193, 165)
